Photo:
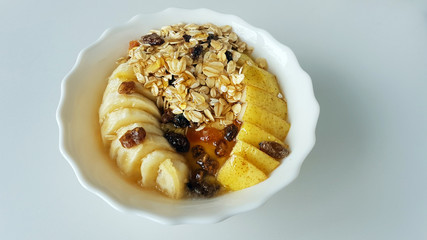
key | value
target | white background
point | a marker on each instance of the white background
(366, 178)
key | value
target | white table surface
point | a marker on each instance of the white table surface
(366, 178)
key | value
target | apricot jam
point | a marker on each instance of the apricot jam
(213, 141)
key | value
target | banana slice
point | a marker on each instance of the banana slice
(129, 159)
(124, 71)
(114, 84)
(149, 128)
(172, 177)
(151, 162)
(114, 101)
(124, 117)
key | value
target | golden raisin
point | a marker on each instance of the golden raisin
(274, 149)
(133, 137)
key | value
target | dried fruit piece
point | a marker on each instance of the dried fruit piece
(229, 56)
(197, 151)
(133, 44)
(167, 116)
(220, 148)
(178, 141)
(152, 39)
(133, 137)
(206, 187)
(127, 87)
(196, 51)
(186, 37)
(210, 37)
(180, 121)
(198, 175)
(172, 80)
(274, 149)
(231, 132)
(208, 164)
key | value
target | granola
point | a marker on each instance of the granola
(193, 71)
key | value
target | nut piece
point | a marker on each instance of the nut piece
(231, 132)
(274, 149)
(178, 141)
(152, 39)
(133, 137)
(221, 148)
(127, 87)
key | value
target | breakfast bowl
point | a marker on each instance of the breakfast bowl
(80, 139)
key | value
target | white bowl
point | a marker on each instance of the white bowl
(80, 143)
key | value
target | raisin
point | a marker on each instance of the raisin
(127, 87)
(197, 151)
(221, 148)
(180, 121)
(170, 82)
(133, 137)
(229, 56)
(152, 39)
(198, 175)
(167, 116)
(231, 132)
(178, 141)
(207, 187)
(186, 37)
(208, 164)
(196, 51)
(210, 37)
(274, 149)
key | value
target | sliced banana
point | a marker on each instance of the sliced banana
(114, 101)
(114, 84)
(129, 159)
(172, 177)
(153, 161)
(123, 117)
(150, 165)
(149, 128)
(123, 73)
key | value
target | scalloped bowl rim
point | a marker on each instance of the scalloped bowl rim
(230, 206)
